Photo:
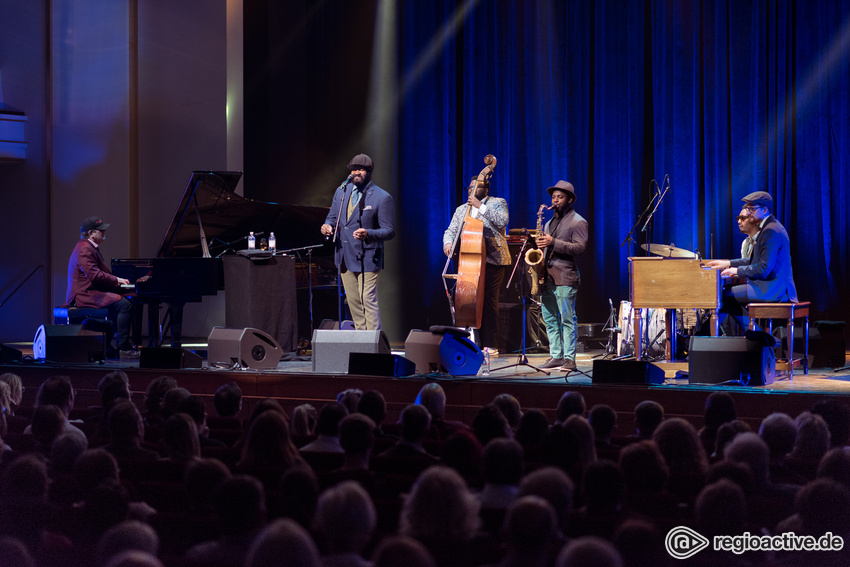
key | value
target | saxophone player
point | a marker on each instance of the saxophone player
(564, 237)
(494, 212)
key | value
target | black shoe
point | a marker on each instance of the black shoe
(569, 364)
(552, 363)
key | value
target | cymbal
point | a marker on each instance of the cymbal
(668, 251)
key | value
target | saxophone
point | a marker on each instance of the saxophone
(534, 257)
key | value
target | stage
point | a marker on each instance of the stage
(292, 382)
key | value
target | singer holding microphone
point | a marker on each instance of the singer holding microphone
(361, 218)
(564, 237)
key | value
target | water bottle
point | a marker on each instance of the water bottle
(485, 367)
(252, 241)
(272, 242)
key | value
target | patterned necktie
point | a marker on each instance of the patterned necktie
(353, 200)
(748, 247)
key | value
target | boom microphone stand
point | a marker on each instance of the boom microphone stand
(522, 359)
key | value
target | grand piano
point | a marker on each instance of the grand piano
(212, 220)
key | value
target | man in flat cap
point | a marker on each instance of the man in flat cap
(767, 269)
(564, 238)
(363, 216)
(92, 284)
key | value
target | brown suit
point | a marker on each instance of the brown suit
(90, 281)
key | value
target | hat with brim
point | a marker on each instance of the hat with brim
(93, 223)
(564, 186)
(361, 161)
(759, 199)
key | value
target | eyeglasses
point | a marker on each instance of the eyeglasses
(743, 217)
(752, 207)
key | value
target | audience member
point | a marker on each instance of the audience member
(641, 544)
(283, 542)
(725, 433)
(373, 405)
(489, 423)
(269, 451)
(154, 395)
(503, 468)
(463, 453)
(510, 408)
(811, 444)
(779, 432)
(554, 486)
(15, 553)
(171, 400)
(349, 399)
(836, 414)
(126, 431)
(126, 536)
(645, 474)
(571, 403)
(16, 390)
(240, 512)
(648, 416)
(194, 407)
(603, 420)
(402, 551)
(415, 423)
(531, 529)
(589, 551)
(433, 398)
(298, 497)
(203, 477)
(835, 465)
(134, 558)
(720, 510)
(602, 492)
(58, 391)
(531, 432)
(719, 408)
(346, 520)
(48, 423)
(327, 429)
(228, 400)
(679, 444)
(180, 440)
(303, 426)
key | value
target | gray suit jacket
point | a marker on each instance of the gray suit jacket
(569, 241)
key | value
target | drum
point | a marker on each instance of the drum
(656, 335)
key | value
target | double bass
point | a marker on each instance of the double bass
(468, 305)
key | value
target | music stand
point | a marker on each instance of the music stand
(522, 359)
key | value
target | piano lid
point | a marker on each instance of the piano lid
(227, 217)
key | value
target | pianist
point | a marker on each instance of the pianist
(92, 284)
(767, 269)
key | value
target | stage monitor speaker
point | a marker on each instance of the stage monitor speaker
(9, 354)
(332, 348)
(169, 358)
(380, 364)
(718, 360)
(246, 348)
(626, 372)
(460, 356)
(68, 343)
(423, 348)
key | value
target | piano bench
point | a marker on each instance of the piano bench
(76, 315)
(789, 312)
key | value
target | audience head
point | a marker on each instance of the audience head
(267, 404)
(571, 403)
(402, 551)
(433, 397)
(329, 417)
(346, 518)
(603, 420)
(648, 416)
(56, 391)
(240, 505)
(228, 400)
(92, 468)
(65, 451)
(489, 423)
(824, 506)
(719, 408)
(679, 443)
(602, 485)
(202, 478)
(155, 393)
(172, 399)
(720, 509)
(126, 536)
(48, 423)
(283, 542)
(836, 466)
(357, 434)
(779, 432)
(115, 390)
(299, 490)
(373, 405)
(194, 407)
(415, 423)
(503, 462)
(180, 438)
(15, 553)
(641, 543)
(304, 420)
(114, 377)
(440, 508)
(134, 558)
(349, 399)
(589, 551)
(532, 428)
(812, 440)
(530, 525)
(553, 485)
(836, 414)
(748, 448)
(268, 442)
(510, 408)
(643, 468)
(16, 387)
(463, 452)
(125, 423)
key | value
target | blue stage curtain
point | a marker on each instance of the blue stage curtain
(724, 96)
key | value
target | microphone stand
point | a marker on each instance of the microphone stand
(338, 250)
(611, 329)
(309, 250)
(522, 359)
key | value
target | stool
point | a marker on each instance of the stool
(76, 315)
(789, 312)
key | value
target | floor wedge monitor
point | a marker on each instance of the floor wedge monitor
(626, 372)
(243, 348)
(68, 343)
(730, 360)
(332, 348)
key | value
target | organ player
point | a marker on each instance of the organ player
(767, 270)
